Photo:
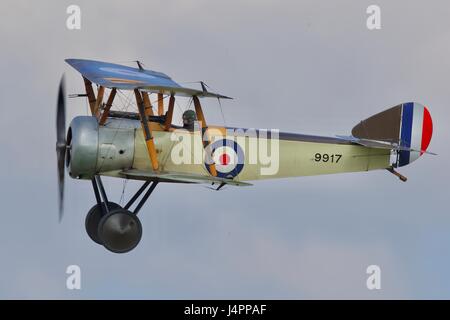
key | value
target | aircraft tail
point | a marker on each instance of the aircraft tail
(407, 127)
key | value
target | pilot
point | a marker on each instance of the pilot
(189, 118)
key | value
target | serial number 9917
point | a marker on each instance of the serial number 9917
(325, 157)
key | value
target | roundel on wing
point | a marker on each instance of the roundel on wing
(227, 156)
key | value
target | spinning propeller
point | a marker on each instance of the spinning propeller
(61, 142)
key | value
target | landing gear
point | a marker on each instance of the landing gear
(107, 223)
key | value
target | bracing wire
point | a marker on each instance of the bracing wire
(122, 196)
(87, 105)
(221, 111)
(125, 107)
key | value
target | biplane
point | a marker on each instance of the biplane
(146, 144)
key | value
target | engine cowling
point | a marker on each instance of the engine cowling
(93, 148)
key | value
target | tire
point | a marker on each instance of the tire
(120, 231)
(93, 218)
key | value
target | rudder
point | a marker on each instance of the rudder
(408, 124)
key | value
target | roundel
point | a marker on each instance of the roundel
(227, 157)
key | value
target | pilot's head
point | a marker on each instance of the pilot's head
(189, 118)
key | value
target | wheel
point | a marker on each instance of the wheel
(120, 231)
(93, 218)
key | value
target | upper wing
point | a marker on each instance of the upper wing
(179, 177)
(112, 75)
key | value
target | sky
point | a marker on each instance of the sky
(298, 66)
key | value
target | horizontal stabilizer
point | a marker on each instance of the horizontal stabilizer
(381, 144)
(179, 177)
